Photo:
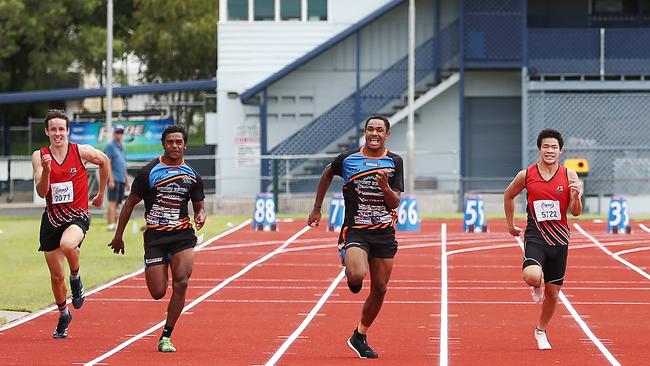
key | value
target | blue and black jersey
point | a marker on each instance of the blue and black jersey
(365, 207)
(166, 191)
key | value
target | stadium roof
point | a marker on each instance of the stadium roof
(248, 94)
(73, 93)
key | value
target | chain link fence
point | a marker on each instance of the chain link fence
(611, 130)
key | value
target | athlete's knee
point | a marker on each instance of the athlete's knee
(157, 293)
(57, 278)
(180, 283)
(378, 289)
(355, 276)
(532, 278)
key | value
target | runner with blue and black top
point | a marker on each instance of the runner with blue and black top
(372, 182)
(167, 184)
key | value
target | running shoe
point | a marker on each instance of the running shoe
(61, 330)
(537, 293)
(77, 292)
(360, 346)
(542, 341)
(165, 345)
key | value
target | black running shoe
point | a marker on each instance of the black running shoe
(359, 345)
(77, 292)
(61, 330)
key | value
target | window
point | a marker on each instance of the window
(316, 9)
(290, 9)
(237, 9)
(264, 10)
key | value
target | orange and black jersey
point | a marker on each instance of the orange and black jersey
(548, 203)
(365, 207)
(166, 191)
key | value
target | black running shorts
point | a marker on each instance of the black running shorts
(160, 246)
(50, 236)
(378, 244)
(552, 259)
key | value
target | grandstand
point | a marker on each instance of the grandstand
(295, 83)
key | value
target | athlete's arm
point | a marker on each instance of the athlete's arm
(199, 214)
(514, 188)
(575, 190)
(41, 165)
(323, 185)
(391, 196)
(117, 244)
(92, 155)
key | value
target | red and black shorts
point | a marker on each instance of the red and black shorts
(50, 235)
(160, 246)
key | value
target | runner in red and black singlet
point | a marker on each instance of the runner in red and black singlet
(548, 202)
(552, 191)
(166, 184)
(67, 198)
(61, 178)
(372, 182)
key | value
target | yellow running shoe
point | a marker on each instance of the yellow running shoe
(165, 345)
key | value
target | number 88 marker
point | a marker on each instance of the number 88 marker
(264, 214)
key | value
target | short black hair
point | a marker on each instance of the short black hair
(56, 113)
(172, 129)
(378, 116)
(549, 133)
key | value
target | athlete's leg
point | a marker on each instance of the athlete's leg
(56, 264)
(380, 271)
(182, 264)
(551, 296)
(533, 275)
(356, 267)
(157, 278)
(70, 241)
(112, 209)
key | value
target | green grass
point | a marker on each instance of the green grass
(3, 321)
(25, 279)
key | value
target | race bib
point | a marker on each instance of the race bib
(547, 210)
(62, 192)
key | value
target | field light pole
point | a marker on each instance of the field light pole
(410, 133)
(109, 69)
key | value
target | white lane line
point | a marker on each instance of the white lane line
(585, 328)
(444, 310)
(278, 354)
(634, 250)
(113, 282)
(609, 252)
(644, 228)
(201, 298)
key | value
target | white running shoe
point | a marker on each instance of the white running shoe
(542, 341)
(537, 293)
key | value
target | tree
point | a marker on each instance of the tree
(176, 40)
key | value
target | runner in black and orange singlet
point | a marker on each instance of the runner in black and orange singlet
(166, 185)
(372, 182)
(61, 178)
(552, 190)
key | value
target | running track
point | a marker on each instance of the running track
(280, 298)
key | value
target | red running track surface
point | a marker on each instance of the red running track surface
(248, 298)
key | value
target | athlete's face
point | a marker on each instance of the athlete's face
(549, 151)
(57, 131)
(174, 145)
(376, 134)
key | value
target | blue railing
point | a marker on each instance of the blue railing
(384, 89)
(579, 51)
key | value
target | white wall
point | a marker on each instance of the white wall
(436, 132)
